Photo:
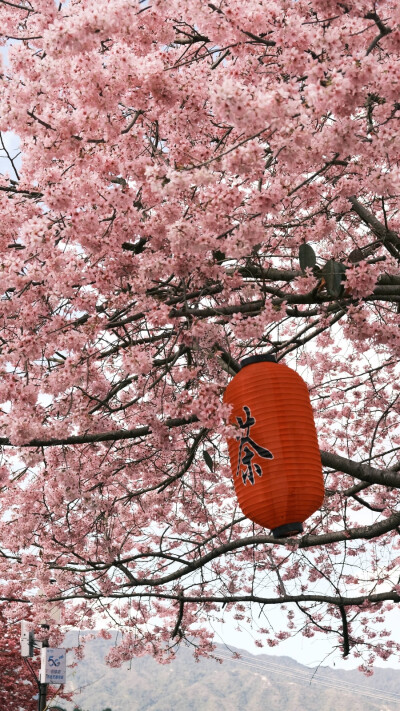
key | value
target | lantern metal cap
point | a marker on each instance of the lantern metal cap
(262, 358)
(289, 529)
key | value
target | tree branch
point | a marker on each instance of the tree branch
(383, 29)
(180, 616)
(308, 541)
(385, 477)
(356, 601)
(345, 631)
(364, 472)
(111, 436)
(386, 235)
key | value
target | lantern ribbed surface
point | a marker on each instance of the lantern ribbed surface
(275, 460)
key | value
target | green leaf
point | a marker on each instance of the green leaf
(307, 256)
(334, 273)
(208, 460)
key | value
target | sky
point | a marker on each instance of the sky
(319, 650)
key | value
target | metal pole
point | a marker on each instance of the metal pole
(42, 696)
(42, 701)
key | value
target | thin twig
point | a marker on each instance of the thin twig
(8, 156)
(138, 113)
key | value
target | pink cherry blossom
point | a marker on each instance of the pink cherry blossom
(174, 159)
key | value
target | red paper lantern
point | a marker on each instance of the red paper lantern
(275, 458)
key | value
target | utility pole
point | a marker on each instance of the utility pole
(42, 701)
(28, 643)
(53, 661)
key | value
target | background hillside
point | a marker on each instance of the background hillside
(252, 683)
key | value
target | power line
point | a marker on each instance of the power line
(305, 678)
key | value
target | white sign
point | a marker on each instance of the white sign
(26, 640)
(51, 611)
(53, 669)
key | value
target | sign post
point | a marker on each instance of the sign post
(53, 669)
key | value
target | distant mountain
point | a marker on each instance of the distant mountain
(252, 683)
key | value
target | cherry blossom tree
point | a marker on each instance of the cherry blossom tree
(19, 677)
(18, 688)
(198, 182)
